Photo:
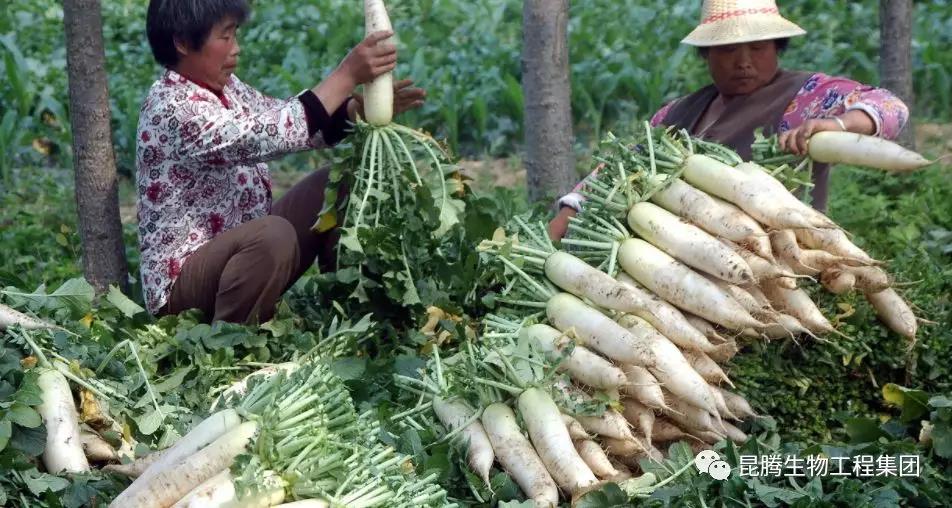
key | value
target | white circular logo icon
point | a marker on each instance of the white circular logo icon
(708, 461)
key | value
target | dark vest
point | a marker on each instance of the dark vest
(735, 127)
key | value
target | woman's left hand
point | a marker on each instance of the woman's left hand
(796, 140)
(405, 97)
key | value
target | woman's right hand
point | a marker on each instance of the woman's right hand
(370, 58)
(559, 225)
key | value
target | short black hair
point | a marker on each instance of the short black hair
(187, 21)
(780, 44)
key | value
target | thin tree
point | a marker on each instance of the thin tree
(895, 56)
(97, 193)
(550, 164)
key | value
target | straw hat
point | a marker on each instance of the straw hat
(736, 21)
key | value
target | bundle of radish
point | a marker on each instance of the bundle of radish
(772, 240)
(392, 167)
(294, 435)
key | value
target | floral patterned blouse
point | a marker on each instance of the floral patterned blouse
(821, 96)
(200, 160)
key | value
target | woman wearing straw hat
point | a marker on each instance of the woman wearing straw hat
(740, 40)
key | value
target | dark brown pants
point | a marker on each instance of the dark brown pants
(240, 274)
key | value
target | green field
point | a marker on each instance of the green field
(626, 62)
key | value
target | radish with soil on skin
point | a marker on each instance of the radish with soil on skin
(610, 423)
(135, 468)
(581, 364)
(595, 457)
(687, 243)
(667, 319)
(798, 304)
(576, 431)
(855, 149)
(639, 416)
(516, 455)
(893, 310)
(665, 430)
(596, 330)
(11, 317)
(759, 174)
(64, 449)
(551, 440)
(868, 279)
(671, 368)
(760, 201)
(717, 217)
(737, 404)
(709, 370)
(835, 242)
(165, 487)
(681, 286)
(95, 447)
(690, 417)
(644, 387)
(454, 414)
(378, 94)
(838, 281)
(734, 434)
(575, 276)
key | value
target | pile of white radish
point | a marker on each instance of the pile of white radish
(303, 441)
(683, 252)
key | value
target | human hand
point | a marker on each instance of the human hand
(405, 97)
(559, 225)
(796, 140)
(369, 59)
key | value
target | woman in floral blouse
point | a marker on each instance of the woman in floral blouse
(740, 40)
(209, 234)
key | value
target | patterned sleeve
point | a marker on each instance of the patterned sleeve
(255, 100)
(575, 199)
(824, 96)
(214, 135)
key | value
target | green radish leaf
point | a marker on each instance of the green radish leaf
(775, 496)
(39, 483)
(122, 302)
(6, 430)
(32, 442)
(608, 495)
(24, 416)
(864, 430)
(349, 369)
(912, 402)
(150, 421)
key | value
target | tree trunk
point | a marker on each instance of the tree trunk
(97, 193)
(550, 164)
(895, 57)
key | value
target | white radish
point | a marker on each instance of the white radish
(798, 304)
(737, 404)
(575, 429)
(581, 363)
(551, 440)
(681, 286)
(755, 198)
(640, 416)
(454, 414)
(208, 431)
(671, 367)
(610, 423)
(64, 449)
(95, 447)
(861, 150)
(833, 241)
(575, 276)
(722, 408)
(687, 243)
(783, 195)
(734, 434)
(717, 217)
(595, 457)
(596, 330)
(644, 387)
(725, 351)
(10, 317)
(165, 487)
(709, 370)
(378, 94)
(838, 281)
(135, 468)
(762, 268)
(690, 417)
(869, 279)
(895, 312)
(664, 430)
(704, 326)
(212, 493)
(517, 457)
(666, 318)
